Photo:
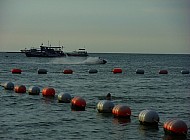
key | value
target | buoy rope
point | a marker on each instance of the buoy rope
(3, 72)
(31, 70)
(159, 122)
(134, 115)
(56, 72)
(92, 107)
(153, 120)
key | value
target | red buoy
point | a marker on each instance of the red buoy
(68, 71)
(163, 72)
(175, 127)
(48, 92)
(121, 111)
(20, 89)
(16, 71)
(117, 70)
(78, 104)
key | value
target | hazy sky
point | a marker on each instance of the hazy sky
(131, 26)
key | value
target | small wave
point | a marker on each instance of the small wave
(93, 60)
(78, 60)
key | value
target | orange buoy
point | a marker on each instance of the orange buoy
(16, 71)
(163, 72)
(68, 71)
(78, 104)
(175, 127)
(148, 117)
(117, 70)
(48, 92)
(122, 111)
(20, 89)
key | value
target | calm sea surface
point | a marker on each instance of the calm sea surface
(24, 116)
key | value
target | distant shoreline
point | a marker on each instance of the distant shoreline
(125, 53)
(11, 52)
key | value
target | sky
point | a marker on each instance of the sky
(102, 26)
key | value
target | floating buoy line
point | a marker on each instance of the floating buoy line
(173, 127)
(92, 71)
(147, 117)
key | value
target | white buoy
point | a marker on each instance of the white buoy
(34, 90)
(8, 85)
(105, 106)
(93, 71)
(64, 98)
(139, 71)
(42, 71)
(148, 117)
(185, 72)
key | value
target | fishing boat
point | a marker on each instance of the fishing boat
(45, 51)
(80, 53)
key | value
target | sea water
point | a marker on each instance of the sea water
(24, 116)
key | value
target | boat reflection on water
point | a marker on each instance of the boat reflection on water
(121, 121)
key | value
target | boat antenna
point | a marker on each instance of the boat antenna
(48, 43)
